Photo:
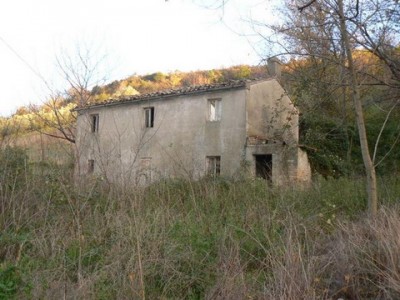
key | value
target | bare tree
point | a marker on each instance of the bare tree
(52, 120)
(80, 71)
(328, 32)
(354, 85)
(325, 34)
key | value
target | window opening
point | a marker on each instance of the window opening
(94, 119)
(214, 110)
(264, 166)
(149, 117)
(90, 166)
(213, 165)
(145, 170)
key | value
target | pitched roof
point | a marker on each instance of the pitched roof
(195, 89)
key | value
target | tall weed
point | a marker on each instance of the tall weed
(213, 239)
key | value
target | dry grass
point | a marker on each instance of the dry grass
(366, 257)
(194, 240)
(359, 260)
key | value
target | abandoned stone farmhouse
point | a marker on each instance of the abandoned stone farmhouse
(244, 127)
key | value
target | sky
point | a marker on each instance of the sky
(127, 36)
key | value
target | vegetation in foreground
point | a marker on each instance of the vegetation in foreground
(214, 239)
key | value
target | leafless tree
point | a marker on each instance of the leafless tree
(326, 34)
(330, 31)
(79, 71)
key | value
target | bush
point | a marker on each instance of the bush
(14, 165)
(10, 281)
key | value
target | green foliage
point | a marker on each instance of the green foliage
(82, 254)
(328, 145)
(388, 150)
(14, 166)
(10, 281)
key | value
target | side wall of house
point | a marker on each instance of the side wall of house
(271, 115)
(304, 168)
(124, 150)
(272, 129)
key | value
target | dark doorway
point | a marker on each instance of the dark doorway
(264, 166)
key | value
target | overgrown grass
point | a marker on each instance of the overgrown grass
(213, 239)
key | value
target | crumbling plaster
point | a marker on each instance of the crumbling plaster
(257, 118)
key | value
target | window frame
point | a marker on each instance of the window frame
(149, 114)
(145, 170)
(90, 169)
(214, 109)
(263, 166)
(94, 123)
(213, 165)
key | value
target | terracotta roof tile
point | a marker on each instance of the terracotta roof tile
(195, 89)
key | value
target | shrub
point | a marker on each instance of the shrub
(10, 281)
(13, 166)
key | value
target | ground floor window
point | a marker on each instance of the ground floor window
(213, 165)
(90, 166)
(145, 170)
(264, 166)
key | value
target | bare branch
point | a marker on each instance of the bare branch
(381, 131)
(303, 7)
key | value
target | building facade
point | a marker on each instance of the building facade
(228, 129)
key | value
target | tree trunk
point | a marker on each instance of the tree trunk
(368, 164)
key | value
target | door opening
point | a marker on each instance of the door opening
(264, 166)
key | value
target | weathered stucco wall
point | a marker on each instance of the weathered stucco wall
(123, 149)
(270, 113)
(258, 121)
(272, 129)
(303, 168)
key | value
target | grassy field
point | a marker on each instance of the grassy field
(213, 239)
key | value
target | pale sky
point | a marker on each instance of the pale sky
(136, 37)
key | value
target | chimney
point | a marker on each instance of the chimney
(274, 67)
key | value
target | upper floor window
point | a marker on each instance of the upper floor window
(94, 122)
(214, 109)
(149, 117)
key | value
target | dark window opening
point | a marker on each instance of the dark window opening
(90, 166)
(213, 165)
(94, 123)
(264, 166)
(149, 117)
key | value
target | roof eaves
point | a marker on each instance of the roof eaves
(156, 96)
(191, 90)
